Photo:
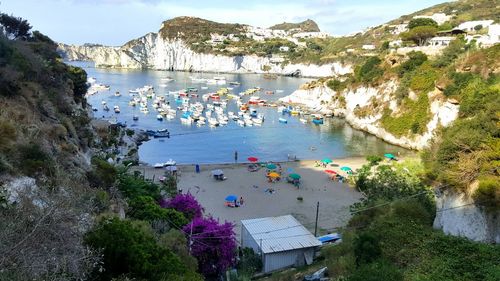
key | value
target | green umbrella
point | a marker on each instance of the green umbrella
(346, 169)
(271, 166)
(327, 160)
(294, 176)
(389, 155)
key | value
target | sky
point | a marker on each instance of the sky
(115, 22)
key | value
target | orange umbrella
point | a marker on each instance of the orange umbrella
(273, 175)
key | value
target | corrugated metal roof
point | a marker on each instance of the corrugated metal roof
(277, 234)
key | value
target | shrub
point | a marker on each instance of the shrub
(214, 245)
(413, 120)
(130, 248)
(369, 71)
(34, 160)
(415, 59)
(374, 159)
(249, 262)
(488, 192)
(423, 78)
(366, 248)
(79, 78)
(336, 85)
(420, 34)
(8, 133)
(132, 186)
(186, 204)
(146, 208)
(104, 173)
(450, 53)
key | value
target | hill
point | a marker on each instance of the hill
(305, 26)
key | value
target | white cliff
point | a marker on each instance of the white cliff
(458, 215)
(154, 52)
(323, 99)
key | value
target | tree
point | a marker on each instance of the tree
(420, 34)
(18, 28)
(130, 248)
(415, 59)
(422, 22)
(146, 208)
(186, 204)
(366, 248)
(376, 272)
(79, 78)
(213, 245)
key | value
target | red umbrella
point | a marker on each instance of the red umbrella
(253, 159)
(330, 172)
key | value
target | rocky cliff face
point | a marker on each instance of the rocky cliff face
(154, 52)
(344, 104)
(457, 215)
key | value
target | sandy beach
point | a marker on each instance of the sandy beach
(316, 186)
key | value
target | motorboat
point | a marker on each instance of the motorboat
(283, 120)
(135, 118)
(116, 108)
(159, 117)
(117, 94)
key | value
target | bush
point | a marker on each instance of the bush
(415, 59)
(186, 204)
(374, 159)
(34, 160)
(488, 192)
(132, 186)
(146, 208)
(413, 120)
(336, 85)
(423, 78)
(369, 71)
(249, 262)
(420, 34)
(103, 175)
(79, 78)
(366, 248)
(130, 249)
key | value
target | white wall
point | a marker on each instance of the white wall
(279, 260)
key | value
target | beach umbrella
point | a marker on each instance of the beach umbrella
(294, 176)
(273, 175)
(171, 168)
(271, 166)
(389, 155)
(327, 160)
(217, 172)
(330, 172)
(346, 169)
(253, 159)
(231, 198)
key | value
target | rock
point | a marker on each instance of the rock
(153, 52)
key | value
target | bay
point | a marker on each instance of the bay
(189, 144)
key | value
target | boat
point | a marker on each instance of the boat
(269, 92)
(241, 123)
(170, 162)
(283, 120)
(317, 119)
(162, 85)
(234, 83)
(159, 117)
(117, 94)
(204, 87)
(116, 108)
(105, 108)
(135, 118)
(161, 134)
(303, 121)
(167, 79)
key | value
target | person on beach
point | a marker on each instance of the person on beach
(241, 201)
(236, 157)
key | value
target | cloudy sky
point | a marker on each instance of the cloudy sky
(114, 22)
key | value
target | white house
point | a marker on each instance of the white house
(281, 241)
(492, 38)
(368, 47)
(440, 18)
(494, 33)
(284, 48)
(398, 28)
(469, 26)
(310, 35)
(441, 41)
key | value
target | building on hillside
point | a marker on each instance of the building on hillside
(494, 33)
(441, 41)
(310, 35)
(368, 47)
(439, 18)
(469, 26)
(397, 29)
(284, 49)
(396, 43)
(488, 40)
(281, 241)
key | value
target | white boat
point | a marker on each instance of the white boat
(103, 102)
(279, 91)
(204, 87)
(241, 123)
(116, 108)
(283, 120)
(213, 122)
(162, 85)
(135, 118)
(170, 162)
(167, 79)
(303, 121)
(91, 80)
(159, 117)
(117, 94)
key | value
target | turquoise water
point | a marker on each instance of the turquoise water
(189, 144)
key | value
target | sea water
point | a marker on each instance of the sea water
(189, 144)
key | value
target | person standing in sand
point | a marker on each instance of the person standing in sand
(241, 201)
(236, 156)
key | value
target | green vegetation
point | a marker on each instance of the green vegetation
(131, 249)
(421, 22)
(420, 34)
(369, 71)
(305, 26)
(411, 119)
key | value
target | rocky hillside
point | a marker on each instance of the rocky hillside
(305, 26)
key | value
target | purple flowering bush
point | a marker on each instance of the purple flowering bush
(186, 204)
(213, 245)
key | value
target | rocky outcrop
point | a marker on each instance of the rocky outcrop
(345, 104)
(154, 52)
(458, 215)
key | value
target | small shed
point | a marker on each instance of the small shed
(281, 241)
